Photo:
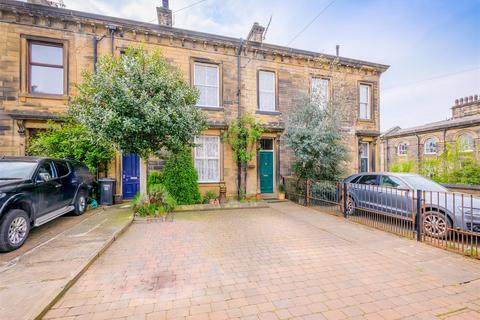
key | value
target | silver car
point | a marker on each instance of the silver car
(395, 194)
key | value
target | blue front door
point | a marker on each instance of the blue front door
(130, 175)
(266, 171)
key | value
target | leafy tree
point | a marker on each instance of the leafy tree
(139, 103)
(180, 177)
(313, 133)
(74, 141)
(406, 165)
(243, 136)
(451, 166)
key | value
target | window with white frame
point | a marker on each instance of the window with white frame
(207, 158)
(319, 92)
(206, 80)
(466, 142)
(402, 149)
(364, 102)
(266, 90)
(430, 146)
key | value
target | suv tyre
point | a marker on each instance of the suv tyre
(14, 229)
(80, 203)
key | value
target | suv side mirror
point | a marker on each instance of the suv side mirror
(42, 177)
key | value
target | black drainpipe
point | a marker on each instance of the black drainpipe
(95, 54)
(112, 30)
(239, 86)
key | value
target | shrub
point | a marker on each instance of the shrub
(157, 202)
(74, 141)
(407, 166)
(281, 188)
(154, 178)
(180, 177)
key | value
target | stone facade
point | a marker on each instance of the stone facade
(23, 112)
(464, 125)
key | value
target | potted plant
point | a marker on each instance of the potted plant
(281, 192)
(211, 198)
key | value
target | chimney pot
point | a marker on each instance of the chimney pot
(165, 4)
(337, 47)
(475, 97)
(456, 102)
(461, 100)
(256, 33)
(470, 99)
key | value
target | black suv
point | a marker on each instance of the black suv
(34, 191)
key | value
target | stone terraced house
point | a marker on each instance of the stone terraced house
(431, 139)
(43, 50)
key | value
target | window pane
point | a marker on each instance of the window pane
(211, 98)
(46, 54)
(364, 93)
(267, 101)
(202, 99)
(199, 148)
(212, 147)
(466, 142)
(46, 80)
(266, 80)
(212, 76)
(200, 75)
(364, 111)
(213, 170)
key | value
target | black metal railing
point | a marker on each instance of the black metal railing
(440, 218)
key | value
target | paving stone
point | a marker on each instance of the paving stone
(282, 262)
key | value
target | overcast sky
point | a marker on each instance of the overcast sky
(432, 46)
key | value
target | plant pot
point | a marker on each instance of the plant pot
(259, 196)
(213, 201)
(281, 196)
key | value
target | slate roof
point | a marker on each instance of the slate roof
(433, 126)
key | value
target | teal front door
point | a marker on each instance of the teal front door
(266, 172)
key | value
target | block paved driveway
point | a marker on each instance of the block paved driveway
(284, 262)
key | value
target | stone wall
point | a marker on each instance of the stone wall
(21, 111)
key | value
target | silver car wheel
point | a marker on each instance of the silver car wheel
(82, 203)
(350, 206)
(435, 225)
(17, 230)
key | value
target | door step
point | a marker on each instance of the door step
(52, 215)
(274, 200)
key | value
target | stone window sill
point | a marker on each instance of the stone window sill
(211, 108)
(272, 113)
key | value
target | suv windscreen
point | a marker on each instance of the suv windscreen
(369, 179)
(15, 170)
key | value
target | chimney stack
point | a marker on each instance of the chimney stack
(338, 50)
(256, 33)
(164, 14)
